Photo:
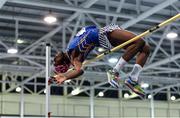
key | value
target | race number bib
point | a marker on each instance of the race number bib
(82, 31)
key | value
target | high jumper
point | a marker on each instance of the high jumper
(107, 37)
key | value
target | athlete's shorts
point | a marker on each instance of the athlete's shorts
(103, 40)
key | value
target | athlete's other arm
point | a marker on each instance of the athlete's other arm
(77, 71)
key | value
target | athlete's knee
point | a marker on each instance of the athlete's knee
(146, 49)
(140, 43)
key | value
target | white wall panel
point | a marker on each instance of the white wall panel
(79, 106)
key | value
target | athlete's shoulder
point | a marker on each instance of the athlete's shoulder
(90, 27)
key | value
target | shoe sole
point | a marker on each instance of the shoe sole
(134, 90)
(112, 82)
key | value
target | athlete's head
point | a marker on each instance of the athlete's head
(61, 62)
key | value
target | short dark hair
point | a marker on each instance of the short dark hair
(59, 58)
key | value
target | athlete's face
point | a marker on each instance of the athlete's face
(61, 68)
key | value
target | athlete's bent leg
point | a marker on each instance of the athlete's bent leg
(132, 81)
(120, 36)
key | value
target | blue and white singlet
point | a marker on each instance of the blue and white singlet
(90, 37)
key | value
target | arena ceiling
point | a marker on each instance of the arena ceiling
(23, 19)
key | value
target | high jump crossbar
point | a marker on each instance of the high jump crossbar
(149, 31)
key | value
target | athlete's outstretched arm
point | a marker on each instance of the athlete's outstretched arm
(77, 71)
(73, 73)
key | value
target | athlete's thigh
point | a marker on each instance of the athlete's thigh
(116, 37)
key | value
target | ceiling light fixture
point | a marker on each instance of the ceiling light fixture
(101, 94)
(172, 35)
(113, 60)
(75, 91)
(101, 49)
(173, 98)
(50, 19)
(18, 89)
(144, 85)
(126, 95)
(149, 96)
(19, 41)
(12, 50)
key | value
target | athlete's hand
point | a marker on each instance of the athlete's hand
(60, 78)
